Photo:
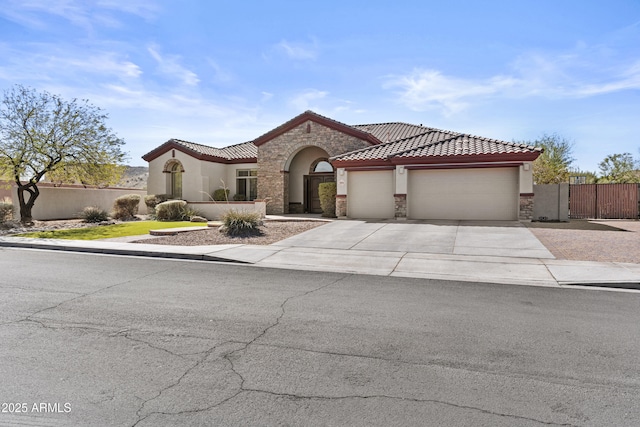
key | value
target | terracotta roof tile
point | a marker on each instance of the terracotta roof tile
(430, 143)
(245, 150)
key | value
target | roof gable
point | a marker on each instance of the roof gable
(245, 152)
(317, 118)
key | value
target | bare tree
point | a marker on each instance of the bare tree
(41, 133)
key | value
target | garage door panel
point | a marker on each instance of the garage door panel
(466, 194)
(370, 194)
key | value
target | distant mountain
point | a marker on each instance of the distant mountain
(134, 177)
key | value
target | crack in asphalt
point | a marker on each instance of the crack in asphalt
(228, 358)
(406, 399)
(29, 318)
(197, 363)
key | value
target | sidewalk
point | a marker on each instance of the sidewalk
(492, 269)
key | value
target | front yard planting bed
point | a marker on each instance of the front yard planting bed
(270, 232)
(135, 228)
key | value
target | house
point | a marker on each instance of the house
(385, 170)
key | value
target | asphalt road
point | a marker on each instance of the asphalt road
(106, 340)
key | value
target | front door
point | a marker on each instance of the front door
(312, 198)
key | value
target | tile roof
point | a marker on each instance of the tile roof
(245, 150)
(431, 143)
(400, 141)
(393, 131)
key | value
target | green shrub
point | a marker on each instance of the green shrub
(175, 210)
(171, 210)
(237, 223)
(152, 200)
(126, 207)
(327, 193)
(221, 195)
(94, 214)
(6, 210)
(239, 198)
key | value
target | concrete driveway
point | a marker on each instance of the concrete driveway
(480, 238)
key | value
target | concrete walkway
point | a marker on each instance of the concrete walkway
(496, 252)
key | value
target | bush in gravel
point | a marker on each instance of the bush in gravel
(126, 207)
(94, 214)
(175, 210)
(239, 198)
(327, 193)
(6, 210)
(152, 200)
(237, 223)
(221, 195)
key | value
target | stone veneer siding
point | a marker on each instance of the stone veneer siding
(400, 205)
(341, 205)
(273, 156)
(526, 207)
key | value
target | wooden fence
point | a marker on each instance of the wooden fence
(604, 201)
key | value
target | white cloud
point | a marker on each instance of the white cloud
(298, 51)
(81, 13)
(304, 100)
(170, 66)
(571, 75)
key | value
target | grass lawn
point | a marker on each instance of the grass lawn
(107, 231)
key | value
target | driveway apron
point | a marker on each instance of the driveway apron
(478, 238)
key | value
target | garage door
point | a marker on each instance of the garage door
(482, 194)
(370, 194)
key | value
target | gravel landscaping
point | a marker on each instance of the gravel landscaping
(582, 240)
(270, 232)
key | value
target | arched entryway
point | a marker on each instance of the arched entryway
(319, 172)
(307, 169)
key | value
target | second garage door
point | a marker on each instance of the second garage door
(464, 194)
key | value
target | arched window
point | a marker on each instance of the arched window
(321, 166)
(174, 171)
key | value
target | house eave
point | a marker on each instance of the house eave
(462, 159)
(172, 145)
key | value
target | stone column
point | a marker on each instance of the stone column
(341, 205)
(526, 207)
(400, 206)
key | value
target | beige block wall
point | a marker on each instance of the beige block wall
(68, 202)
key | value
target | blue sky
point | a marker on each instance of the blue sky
(223, 72)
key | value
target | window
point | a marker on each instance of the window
(247, 183)
(321, 166)
(174, 182)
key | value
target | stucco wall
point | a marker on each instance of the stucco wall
(68, 202)
(274, 159)
(230, 176)
(299, 168)
(551, 202)
(192, 178)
